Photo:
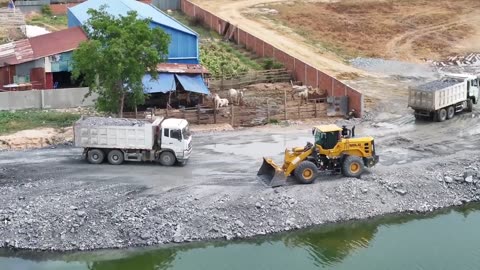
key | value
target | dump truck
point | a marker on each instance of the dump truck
(167, 141)
(335, 151)
(441, 99)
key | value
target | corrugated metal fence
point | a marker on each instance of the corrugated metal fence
(167, 4)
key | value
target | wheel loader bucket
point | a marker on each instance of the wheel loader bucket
(272, 174)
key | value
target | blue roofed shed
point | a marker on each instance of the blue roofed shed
(183, 47)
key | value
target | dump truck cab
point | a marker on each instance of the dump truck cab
(175, 136)
(335, 151)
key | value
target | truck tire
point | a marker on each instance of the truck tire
(115, 157)
(353, 166)
(167, 158)
(95, 156)
(469, 105)
(441, 115)
(450, 112)
(306, 172)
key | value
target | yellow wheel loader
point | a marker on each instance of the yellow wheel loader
(336, 151)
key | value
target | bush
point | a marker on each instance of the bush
(270, 63)
(46, 10)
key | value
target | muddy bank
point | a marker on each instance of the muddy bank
(76, 206)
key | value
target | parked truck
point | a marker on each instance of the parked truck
(441, 99)
(167, 141)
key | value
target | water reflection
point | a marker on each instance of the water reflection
(327, 247)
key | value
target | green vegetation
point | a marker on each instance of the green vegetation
(119, 52)
(221, 57)
(46, 10)
(53, 23)
(21, 120)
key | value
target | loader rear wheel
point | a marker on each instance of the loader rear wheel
(115, 157)
(441, 115)
(450, 112)
(167, 159)
(353, 166)
(306, 172)
(95, 156)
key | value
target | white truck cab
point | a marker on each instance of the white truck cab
(176, 137)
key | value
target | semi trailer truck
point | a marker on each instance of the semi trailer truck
(441, 99)
(167, 141)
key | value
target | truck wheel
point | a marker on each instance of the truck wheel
(441, 115)
(306, 172)
(167, 159)
(469, 105)
(95, 156)
(450, 112)
(115, 157)
(352, 166)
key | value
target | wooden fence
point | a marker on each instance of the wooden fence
(247, 78)
(242, 115)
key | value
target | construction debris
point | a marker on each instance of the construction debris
(466, 60)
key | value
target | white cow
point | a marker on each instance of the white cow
(220, 102)
(235, 96)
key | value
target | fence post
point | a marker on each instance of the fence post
(285, 104)
(316, 114)
(198, 114)
(268, 111)
(298, 108)
(215, 115)
(232, 116)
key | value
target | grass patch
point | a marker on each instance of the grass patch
(55, 22)
(11, 122)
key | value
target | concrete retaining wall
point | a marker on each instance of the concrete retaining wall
(301, 70)
(46, 99)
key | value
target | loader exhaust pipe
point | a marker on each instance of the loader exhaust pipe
(271, 174)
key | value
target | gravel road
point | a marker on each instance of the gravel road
(50, 199)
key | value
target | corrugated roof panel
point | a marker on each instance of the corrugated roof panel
(121, 7)
(57, 42)
(193, 83)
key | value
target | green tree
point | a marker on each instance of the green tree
(119, 52)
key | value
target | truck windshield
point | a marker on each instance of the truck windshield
(186, 132)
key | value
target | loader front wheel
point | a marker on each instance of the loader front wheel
(353, 166)
(306, 172)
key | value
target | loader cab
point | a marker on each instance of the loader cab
(327, 136)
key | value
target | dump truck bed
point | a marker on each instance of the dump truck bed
(118, 133)
(437, 94)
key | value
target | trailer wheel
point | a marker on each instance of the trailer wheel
(353, 166)
(115, 157)
(450, 112)
(306, 172)
(95, 156)
(441, 115)
(167, 158)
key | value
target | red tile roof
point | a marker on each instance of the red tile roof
(57, 42)
(182, 68)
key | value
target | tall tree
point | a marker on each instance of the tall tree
(119, 52)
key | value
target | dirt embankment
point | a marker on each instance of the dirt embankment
(36, 138)
(405, 30)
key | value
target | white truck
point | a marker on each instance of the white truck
(167, 141)
(441, 99)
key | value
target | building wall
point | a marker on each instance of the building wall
(25, 68)
(31, 6)
(46, 99)
(183, 47)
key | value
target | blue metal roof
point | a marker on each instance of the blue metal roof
(121, 7)
(163, 84)
(193, 83)
(166, 83)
